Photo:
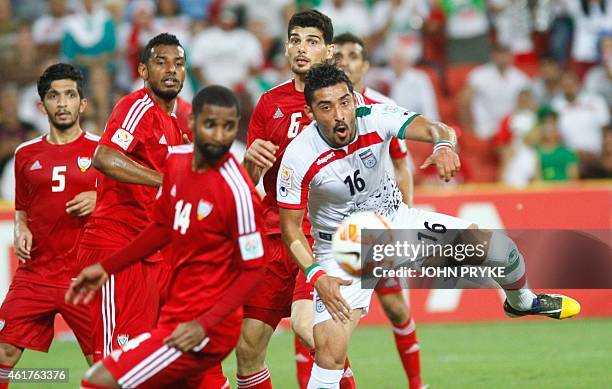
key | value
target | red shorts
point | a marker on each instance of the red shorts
(28, 312)
(388, 286)
(146, 362)
(127, 305)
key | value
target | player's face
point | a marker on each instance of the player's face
(165, 72)
(62, 104)
(333, 108)
(349, 57)
(305, 48)
(215, 129)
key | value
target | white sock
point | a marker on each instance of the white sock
(324, 378)
(521, 299)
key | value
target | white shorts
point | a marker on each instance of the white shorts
(406, 218)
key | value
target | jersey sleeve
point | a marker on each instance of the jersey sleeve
(245, 217)
(397, 149)
(22, 200)
(292, 183)
(257, 124)
(128, 125)
(390, 120)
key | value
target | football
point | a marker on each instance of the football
(347, 240)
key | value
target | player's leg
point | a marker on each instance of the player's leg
(397, 311)
(301, 324)
(78, 319)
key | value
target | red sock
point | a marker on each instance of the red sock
(347, 381)
(303, 362)
(89, 385)
(408, 349)
(4, 372)
(259, 380)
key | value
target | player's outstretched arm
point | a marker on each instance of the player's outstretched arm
(121, 168)
(22, 239)
(328, 287)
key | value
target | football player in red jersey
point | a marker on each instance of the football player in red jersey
(278, 118)
(54, 194)
(208, 211)
(351, 57)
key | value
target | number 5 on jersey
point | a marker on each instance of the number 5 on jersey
(181, 216)
(58, 178)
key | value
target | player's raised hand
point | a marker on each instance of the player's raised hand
(84, 287)
(22, 243)
(328, 289)
(446, 161)
(262, 153)
(186, 336)
(82, 204)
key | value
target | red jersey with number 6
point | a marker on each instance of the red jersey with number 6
(47, 176)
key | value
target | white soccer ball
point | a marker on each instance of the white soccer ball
(346, 242)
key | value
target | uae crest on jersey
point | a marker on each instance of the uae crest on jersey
(368, 158)
(204, 209)
(84, 163)
(122, 340)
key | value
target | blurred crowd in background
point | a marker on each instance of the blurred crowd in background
(528, 83)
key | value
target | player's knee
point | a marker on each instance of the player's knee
(250, 348)
(395, 307)
(9, 354)
(98, 374)
(303, 331)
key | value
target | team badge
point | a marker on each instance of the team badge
(204, 209)
(122, 340)
(122, 138)
(319, 306)
(368, 158)
(2, 322)
(84, 163)
(251, 246)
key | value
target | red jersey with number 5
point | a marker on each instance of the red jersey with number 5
(47, 176)
(278, 117)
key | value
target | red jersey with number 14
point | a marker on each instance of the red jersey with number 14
(215, 217)
(47, 176)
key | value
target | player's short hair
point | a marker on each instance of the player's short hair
(347, 37)
(214, 95)
(59, 71)
(322, 76)
(163, 39)
(312, 18)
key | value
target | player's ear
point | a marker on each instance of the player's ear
(41, 107)
(82, 105)
(143, 72)
(286, 48)
(366, 66)
(308, 111)
(331, 49)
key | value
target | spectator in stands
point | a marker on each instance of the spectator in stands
(48, 29)
(89, 42)
(555, 161)
(582, 116)
(195, 9)
(514, 140)
(591, 18)
(170, 18)
(490, 93)
(467, 30)
(546, 85)
(410, 87)
(13, 131)
(514, 26)
(348, 16)
(141, 31)
(21, 65)
(599, 79)
(395, 22)
(224, 53)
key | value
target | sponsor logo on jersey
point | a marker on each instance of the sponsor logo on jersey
(2, 323)
(122, 340)
(285, 175)
(251, 246)
(122, 138)
(84, 163)
(204, 209)
(36, 165)
(162, 140)
(278, 114)
(323, 160)
(368, 158)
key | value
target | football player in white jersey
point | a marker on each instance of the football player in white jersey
(333, 168)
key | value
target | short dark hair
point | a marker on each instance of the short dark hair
(214, 95)
(322, 76)
(312, 18)
(164, 39)
(59, 71)
(347, 37)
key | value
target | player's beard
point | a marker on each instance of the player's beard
(212, 152)
(63, 126)
(168, 94)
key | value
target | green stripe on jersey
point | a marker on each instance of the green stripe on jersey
(363, 111)
(402, 130)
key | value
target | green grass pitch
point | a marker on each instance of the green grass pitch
(517, 354)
